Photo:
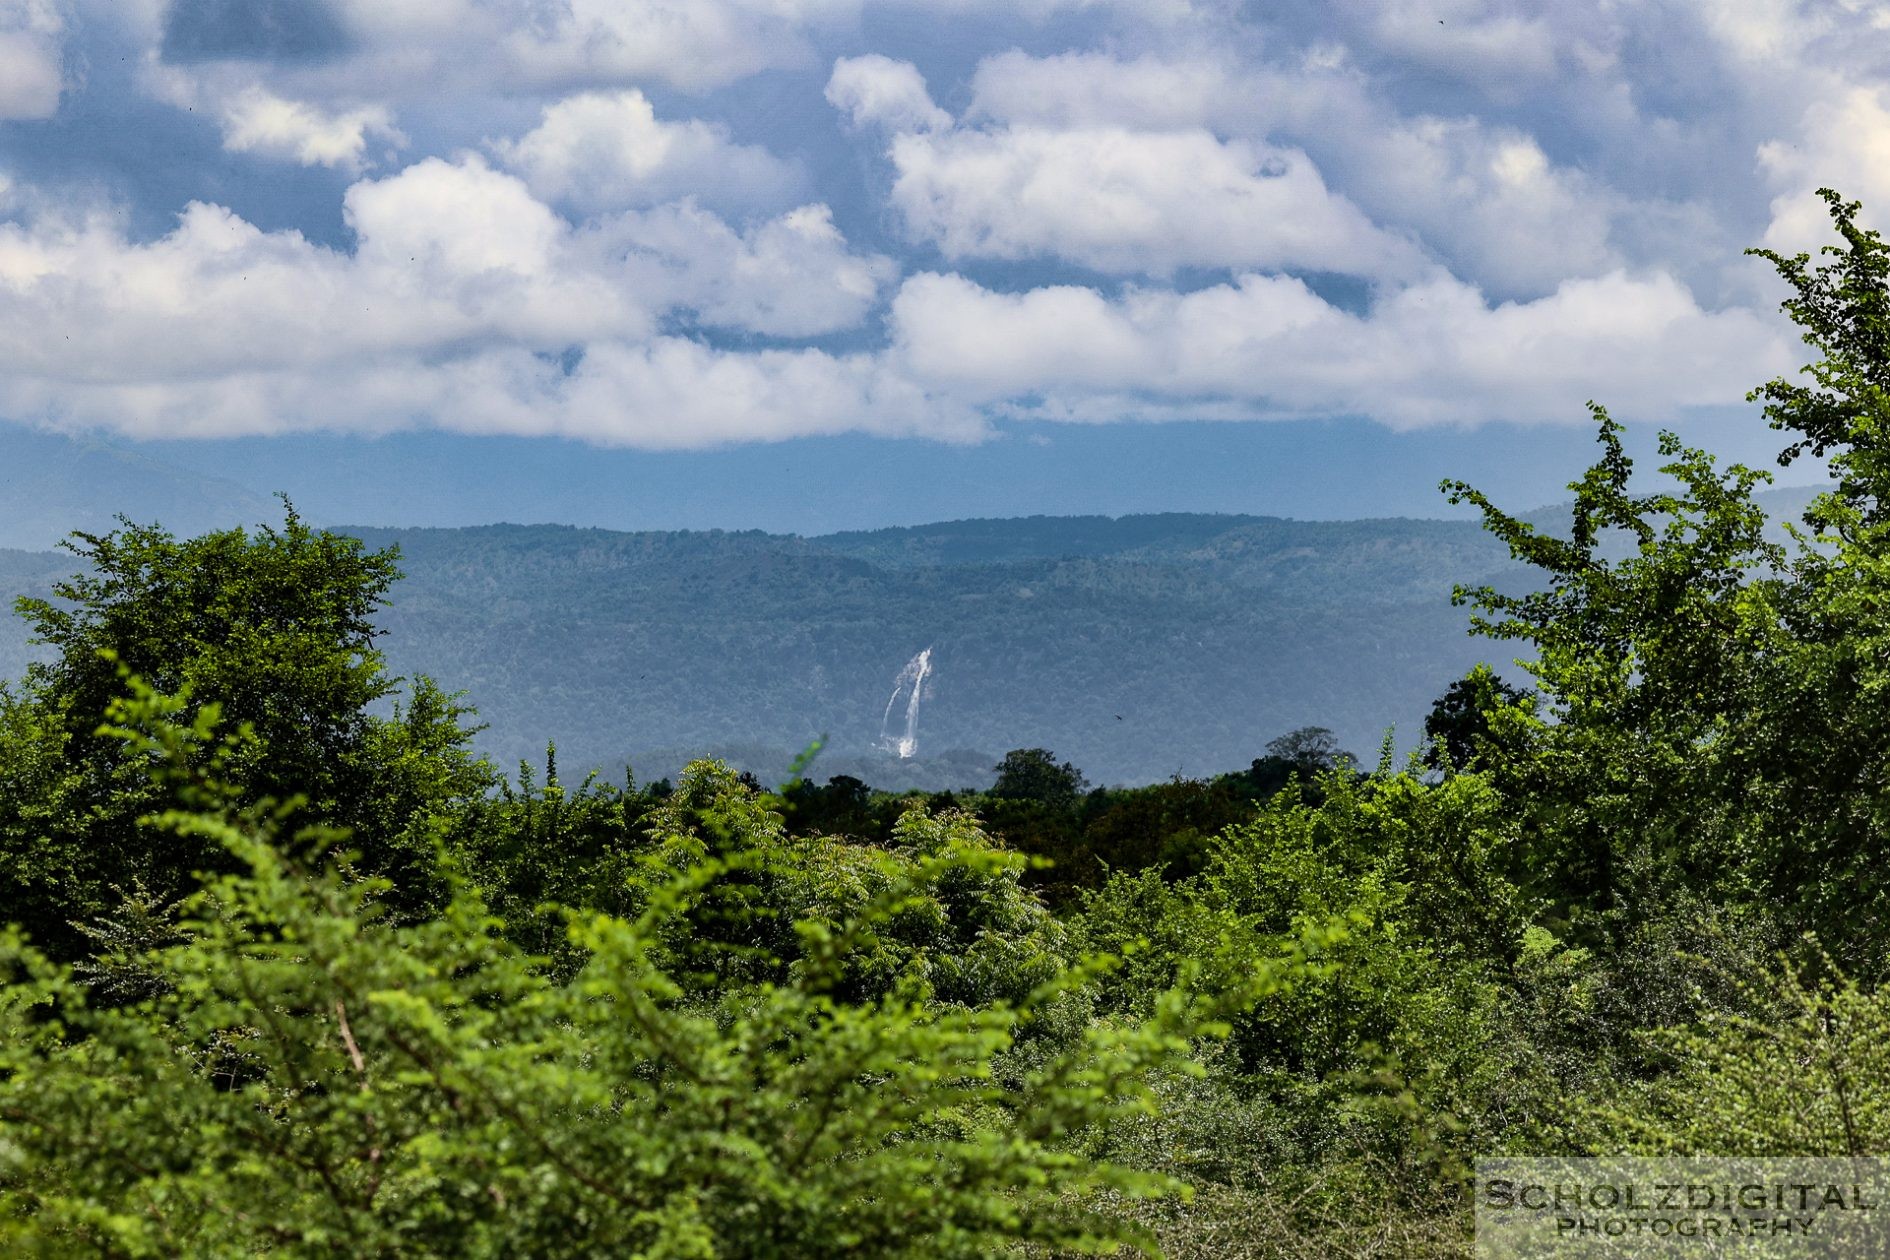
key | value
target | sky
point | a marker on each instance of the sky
(809, 264)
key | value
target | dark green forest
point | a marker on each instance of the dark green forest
(1138, 647)
(293, 970)
(1139, 650)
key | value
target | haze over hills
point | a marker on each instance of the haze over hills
(1183, 644)
(52, 484)
(1138, 647)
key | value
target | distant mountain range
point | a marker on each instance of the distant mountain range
(1137, 647)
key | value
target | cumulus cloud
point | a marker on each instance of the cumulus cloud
(878, 91)
(1489, 200)
(31, 77)
(469, 303)
(449, 255)
(694, 45)
(464, 302)
(1842, 142)
(1546, 203)
(330, 51)
(1469, 39)
(1083, 88)
(1484, 198)
(1134, 202)
(1434, 352)
(793, 276)
(662, 394)
(608, 151)
(1110, 197)
(257, 122)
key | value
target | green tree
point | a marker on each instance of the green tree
(1310, 750)
(1646, 665)
(1800, 1067)
(1034, 774)
(1306, 754)
(529, 845)
(1712, 711)
(1343, 1109)
(1843, 306)
(1458, 726)
(844, 807)
(1166, 825)
(276, 628)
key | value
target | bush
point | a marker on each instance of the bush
(310, 1074)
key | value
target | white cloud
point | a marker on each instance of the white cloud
(792, 276)
(675, 393)
(449, 256)
(878, 91)
(31, 77)
(1110, 165)
(1548, 203)
(608, 151)
(695, 45)
(1081, 88)
(1489, 200)
(1198, 160)
(448, 58)
(1462, 38)
(1432, 353)
(460, 306)
(1133, 202)
(256, 122)
(663, 394)
(1483, 197)
(1843, 142)
(1763, 32)
(406, 52)
(468, 302)
(992, 346)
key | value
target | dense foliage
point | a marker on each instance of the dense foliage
(276, 627)
(292, 973)
(758, 1059)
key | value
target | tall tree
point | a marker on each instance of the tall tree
(276, 628)
(1713, 714)
(1035, 774)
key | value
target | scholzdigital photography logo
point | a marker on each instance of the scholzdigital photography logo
(1784, 1208)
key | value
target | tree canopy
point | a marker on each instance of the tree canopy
(276, 629)
(1035, 774)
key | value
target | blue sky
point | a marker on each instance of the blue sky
(807, 264)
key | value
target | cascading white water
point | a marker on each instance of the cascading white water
(913, 676)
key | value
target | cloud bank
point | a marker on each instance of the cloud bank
(686, 223)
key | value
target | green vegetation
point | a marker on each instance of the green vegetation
(294, 973)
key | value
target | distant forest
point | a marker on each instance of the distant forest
(1139, 648)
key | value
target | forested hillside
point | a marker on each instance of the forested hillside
(1140, 647)
(1157, 645)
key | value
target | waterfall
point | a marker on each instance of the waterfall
(913, 676)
